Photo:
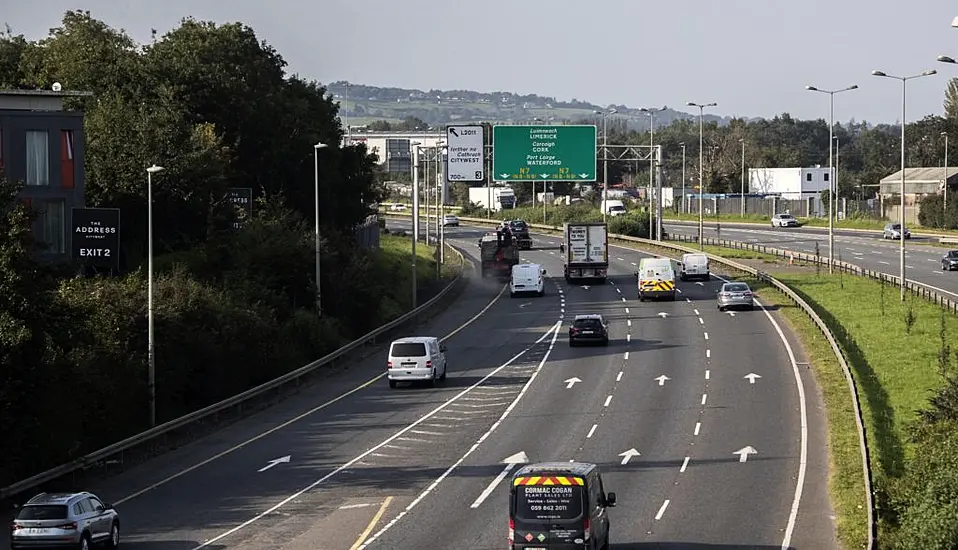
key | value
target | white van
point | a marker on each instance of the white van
(614, 207)
(656, 279)
(695, 266)
(527, 278)
(416, 358)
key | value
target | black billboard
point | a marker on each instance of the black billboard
(242, 199)
(96, 237)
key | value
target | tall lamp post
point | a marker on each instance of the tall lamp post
(319, 293)
(151, 343)
(832, 184)
(657, 209)
(944, 198)
(415, 213)
(701, 107)
(684, 206)
(901, 212)
(742, 141)
(605, 158)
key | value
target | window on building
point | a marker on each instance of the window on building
(52, 226)
(67, 164)
(38, 158)
(1, 152)
(808, 176)
(826, 176)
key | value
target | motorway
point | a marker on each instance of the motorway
(868, 250)
(349, 463)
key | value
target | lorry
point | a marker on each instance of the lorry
(498, 252)
(586, 247)
(503, 198)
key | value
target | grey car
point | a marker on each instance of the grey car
(784, 220)
(893, 231)
(735, 295)
(65, 520)
(949, 261)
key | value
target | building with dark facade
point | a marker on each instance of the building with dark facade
(41, 144)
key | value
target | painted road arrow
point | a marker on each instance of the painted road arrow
(731, 313)
(274, 462)
(663, 314)
(744, 452)
(525, 304)
(571, 382)
(751, 377)
(510, 462)
(585, 287)
(662, 379)
(700, 283)
(627, 455)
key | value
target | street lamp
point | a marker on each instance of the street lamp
(605, 157)
(683, 177)
(701, 107)
(831, 170)
(742, 141)
(658, 208)
(945, 190)
(151, 343)
(319, 294)
(901, 213)
(415, 213)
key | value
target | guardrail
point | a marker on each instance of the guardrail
(237, 400)
(875, 232)
(804, 306)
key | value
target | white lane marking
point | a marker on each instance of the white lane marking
(705, 396)
(293, 420)
(626, 356)
(353, 506)
(628, 337)
(685, 464)
(607, 401)
(554, 331)
(696, 312)
(708, 354)
(629, 322)
(701, 321)
(679, 290)
(689, 300)
(626, 309)
(931, 260)
(414, 439)
(492, 486)
(620, 259)
(706, 335)
(592, 431)
(633, 263)
(619, 377)
(883, 262)
(418, 499)
(661, 511)
(909, 267)
(619, 290)
(425, 432)
(708, 373)
(938, 272)
(623, 299)
(698, 426)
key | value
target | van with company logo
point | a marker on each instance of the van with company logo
(559, 506)
(527, 278)
(694, 266)
(656, 279)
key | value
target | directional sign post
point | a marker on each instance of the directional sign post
(465, 146)
(544, 153)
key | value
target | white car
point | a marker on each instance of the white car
(450, 219)
(397, 207)
(416, 359)
(784, 220)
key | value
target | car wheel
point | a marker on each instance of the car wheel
(84, 542)
(445, 367)
(571, 343)
(114, 541)
(605, 342)
(392, 384)
(720, 308)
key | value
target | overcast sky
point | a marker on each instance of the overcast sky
(752, 57)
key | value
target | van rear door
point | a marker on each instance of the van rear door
(549, 512)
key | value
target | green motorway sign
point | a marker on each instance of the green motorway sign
(544, 153)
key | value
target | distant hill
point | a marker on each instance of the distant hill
(435, 107)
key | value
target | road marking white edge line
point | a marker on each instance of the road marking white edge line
(661, 511)
(278, 427)
(313, 485)
(555, 334)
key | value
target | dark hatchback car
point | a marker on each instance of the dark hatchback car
(559, 506)
(588, 329)
(949, 261)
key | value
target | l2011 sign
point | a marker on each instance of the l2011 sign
(544, 153)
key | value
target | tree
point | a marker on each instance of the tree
(951, 99)
(11, 51)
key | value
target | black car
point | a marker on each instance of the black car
(949, 261)
(561, 505)
(588, 329)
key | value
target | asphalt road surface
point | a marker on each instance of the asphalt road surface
(404, 469)
(868, 250)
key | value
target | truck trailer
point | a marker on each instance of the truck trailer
(503, 198)
(499, 253)
(586, 252)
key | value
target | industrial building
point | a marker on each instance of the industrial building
(41, 144)
(394, 149)
(790, 183)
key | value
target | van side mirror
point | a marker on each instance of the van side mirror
(610, 500)
(636, 273)
(544, 271)
(108, 506)
(442, 348)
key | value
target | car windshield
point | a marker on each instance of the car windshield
(784, 216)
(587, 323)
(542, 503)
(519, 225)
(896, 226)
(409, 349)
(44, 511)
(952, 254)
(736, 287)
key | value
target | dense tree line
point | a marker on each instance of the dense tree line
(234, 308)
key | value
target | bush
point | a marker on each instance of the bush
(932, 213)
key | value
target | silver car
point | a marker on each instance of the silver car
(784, 220)
(949, 261)
(65, 520)
(735, 295)
(893, 231)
